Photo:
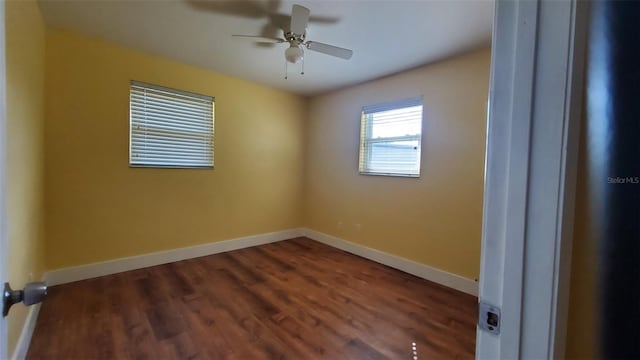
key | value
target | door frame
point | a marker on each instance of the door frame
(535, 103)
(4, 258)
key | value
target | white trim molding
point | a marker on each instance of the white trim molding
(4, 239)
(426, 272)
(533, 123)
(88, 271)
(22, 347)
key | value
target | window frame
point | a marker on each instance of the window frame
(171, 92)
(366, 130)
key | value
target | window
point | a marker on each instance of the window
(390, 138)
(169, 128)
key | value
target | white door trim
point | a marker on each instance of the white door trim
(530, 176)
(4, 352)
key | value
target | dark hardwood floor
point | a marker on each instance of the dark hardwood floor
(294, 299)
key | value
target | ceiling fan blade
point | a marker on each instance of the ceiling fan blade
(263, 39)
(330, 50)
(246, 9)
(299, 19)
(266, 43)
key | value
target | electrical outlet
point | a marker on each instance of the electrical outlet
(358, 227)
(30, 277)
(340, 224)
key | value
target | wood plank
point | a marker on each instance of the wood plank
(295, 299)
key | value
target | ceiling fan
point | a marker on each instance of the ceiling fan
(296, 37)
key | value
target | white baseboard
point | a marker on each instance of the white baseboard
(82, 272)
(427, 272)
(27, 330)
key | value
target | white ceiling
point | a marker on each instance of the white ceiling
(386, 36)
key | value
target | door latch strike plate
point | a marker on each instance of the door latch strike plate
(489, 318)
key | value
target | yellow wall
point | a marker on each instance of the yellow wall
(25, 46)
(98, 208)
(435, 219)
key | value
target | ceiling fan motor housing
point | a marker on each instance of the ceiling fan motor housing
(294, 38)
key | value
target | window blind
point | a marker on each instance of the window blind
(390, 138)
(170, 128)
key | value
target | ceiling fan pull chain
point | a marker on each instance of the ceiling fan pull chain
(302, 72)
(285, 70)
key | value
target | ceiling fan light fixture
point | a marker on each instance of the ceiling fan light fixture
(294, 54)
